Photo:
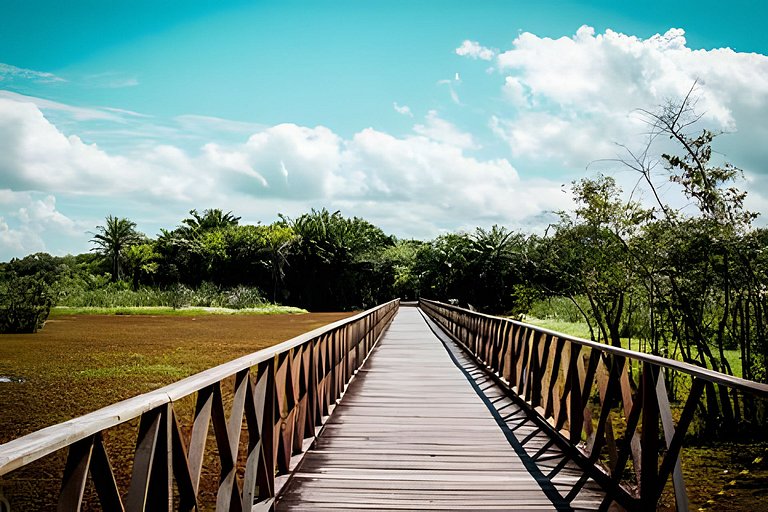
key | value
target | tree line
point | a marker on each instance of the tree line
(686, 282)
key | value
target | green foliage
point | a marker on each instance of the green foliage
(112, 239)
(140, 260)
(559, 308)
(118, 295)
(333, 261)
(25, 302)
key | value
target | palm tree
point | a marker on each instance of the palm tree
(112, 239)
(210, 219)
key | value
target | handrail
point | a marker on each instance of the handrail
(296, 384)
(750, 386)
(554, 376)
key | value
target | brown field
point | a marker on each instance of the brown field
(80, 363)
(77, 364)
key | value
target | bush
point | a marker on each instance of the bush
(119, 294)
(558, 308)
(25, 302)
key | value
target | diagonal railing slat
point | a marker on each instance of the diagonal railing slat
(281, 396)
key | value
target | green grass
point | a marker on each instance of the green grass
(581, 330)
(578, 329)
(267, 309)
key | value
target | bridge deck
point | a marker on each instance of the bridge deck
(421, 428)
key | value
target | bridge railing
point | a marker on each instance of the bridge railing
(283, 392)
(586, 393)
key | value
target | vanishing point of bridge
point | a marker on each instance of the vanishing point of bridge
(397, 408)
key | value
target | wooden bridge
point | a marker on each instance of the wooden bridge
(400, 408)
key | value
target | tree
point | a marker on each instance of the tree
(140, 260)
(25, 302)
(593, 254)
(112, 239)
(211, 219)
(497, 264)
(332, 260)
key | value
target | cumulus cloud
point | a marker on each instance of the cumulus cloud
(571, 97)
(28, 219)
(286, 167)
(440, 130)
(474, 50)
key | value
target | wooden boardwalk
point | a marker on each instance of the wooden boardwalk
(422, 428)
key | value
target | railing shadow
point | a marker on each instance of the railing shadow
(607, 408)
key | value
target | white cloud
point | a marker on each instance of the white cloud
(111, 80)
(36, 156)
(451, 88)
(515, 92)
(572, 96)
(206, 124)
(27, 220)
(286, 168)
(402, 109)
(10, 73)
(474, 50)
(76, 113)
(440, 130)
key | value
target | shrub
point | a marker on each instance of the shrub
(119, 295)
(558, 308)
(25, 302)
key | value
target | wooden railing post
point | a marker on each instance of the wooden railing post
(649, 439)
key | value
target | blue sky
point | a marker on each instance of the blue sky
(420, 116)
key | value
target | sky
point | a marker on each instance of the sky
(422, 117)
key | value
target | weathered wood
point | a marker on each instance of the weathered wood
(104, 477)
(75, 475)
(748, 386)
(149, 430)
(412, 432)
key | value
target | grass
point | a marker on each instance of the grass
(115, 295)
(78, 363)
(130, 371)
(581, 330)
(578, 329)
(266, 309)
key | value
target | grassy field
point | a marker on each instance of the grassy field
(267, 309)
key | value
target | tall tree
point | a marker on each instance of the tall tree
(112, 239)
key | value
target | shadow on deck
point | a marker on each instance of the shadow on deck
(423, 427)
